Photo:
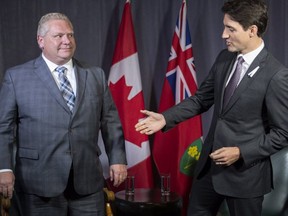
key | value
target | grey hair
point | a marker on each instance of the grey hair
(43, 28)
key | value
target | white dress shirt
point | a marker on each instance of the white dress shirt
(248, 58)
(70, 74)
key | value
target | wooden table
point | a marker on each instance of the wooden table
(147, 202)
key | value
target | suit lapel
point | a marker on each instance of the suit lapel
(247, 80)
(44, 74)
(227, 68)
(81, 76)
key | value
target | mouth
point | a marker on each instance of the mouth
(65, 48)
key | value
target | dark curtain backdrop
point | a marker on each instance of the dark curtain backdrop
(96, 25)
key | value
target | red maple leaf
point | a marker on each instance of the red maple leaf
(129, 110)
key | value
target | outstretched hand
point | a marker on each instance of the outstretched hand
(151, 124)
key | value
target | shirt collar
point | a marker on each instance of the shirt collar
(249, 57)
(52, 66)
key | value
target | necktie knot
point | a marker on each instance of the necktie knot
(240, 60)
(61, 69)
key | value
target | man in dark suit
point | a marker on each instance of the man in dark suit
(56, 118)
(246, 127)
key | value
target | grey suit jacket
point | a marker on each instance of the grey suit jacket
(50, 140)
(255, 120)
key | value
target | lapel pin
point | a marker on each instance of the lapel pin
(251, 74)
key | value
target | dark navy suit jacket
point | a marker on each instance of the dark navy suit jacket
(255, 120)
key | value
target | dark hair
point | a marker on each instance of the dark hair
(247, 13)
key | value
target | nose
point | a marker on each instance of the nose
(225, 35)
(66, 39)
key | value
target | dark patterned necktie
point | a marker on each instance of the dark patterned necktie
(65, 87)
(231, 86)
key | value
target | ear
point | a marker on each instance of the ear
(253, 30)
(40, 41)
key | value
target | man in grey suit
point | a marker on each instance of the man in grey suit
(58, 171)
(247, 128)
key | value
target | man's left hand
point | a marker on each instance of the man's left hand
(225, 156)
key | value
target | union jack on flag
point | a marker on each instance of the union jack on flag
(181, 73)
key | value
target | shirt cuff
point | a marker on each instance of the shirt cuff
(5, 170)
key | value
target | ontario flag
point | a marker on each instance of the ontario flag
(177, 151)
(126, 88)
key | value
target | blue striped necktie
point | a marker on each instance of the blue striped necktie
(65, 87)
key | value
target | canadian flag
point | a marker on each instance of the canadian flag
(126, 89)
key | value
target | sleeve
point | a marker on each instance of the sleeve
(111, 128)
(8, 110)
(276, 137)
(202, 101)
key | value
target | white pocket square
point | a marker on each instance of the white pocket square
(251, 74)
